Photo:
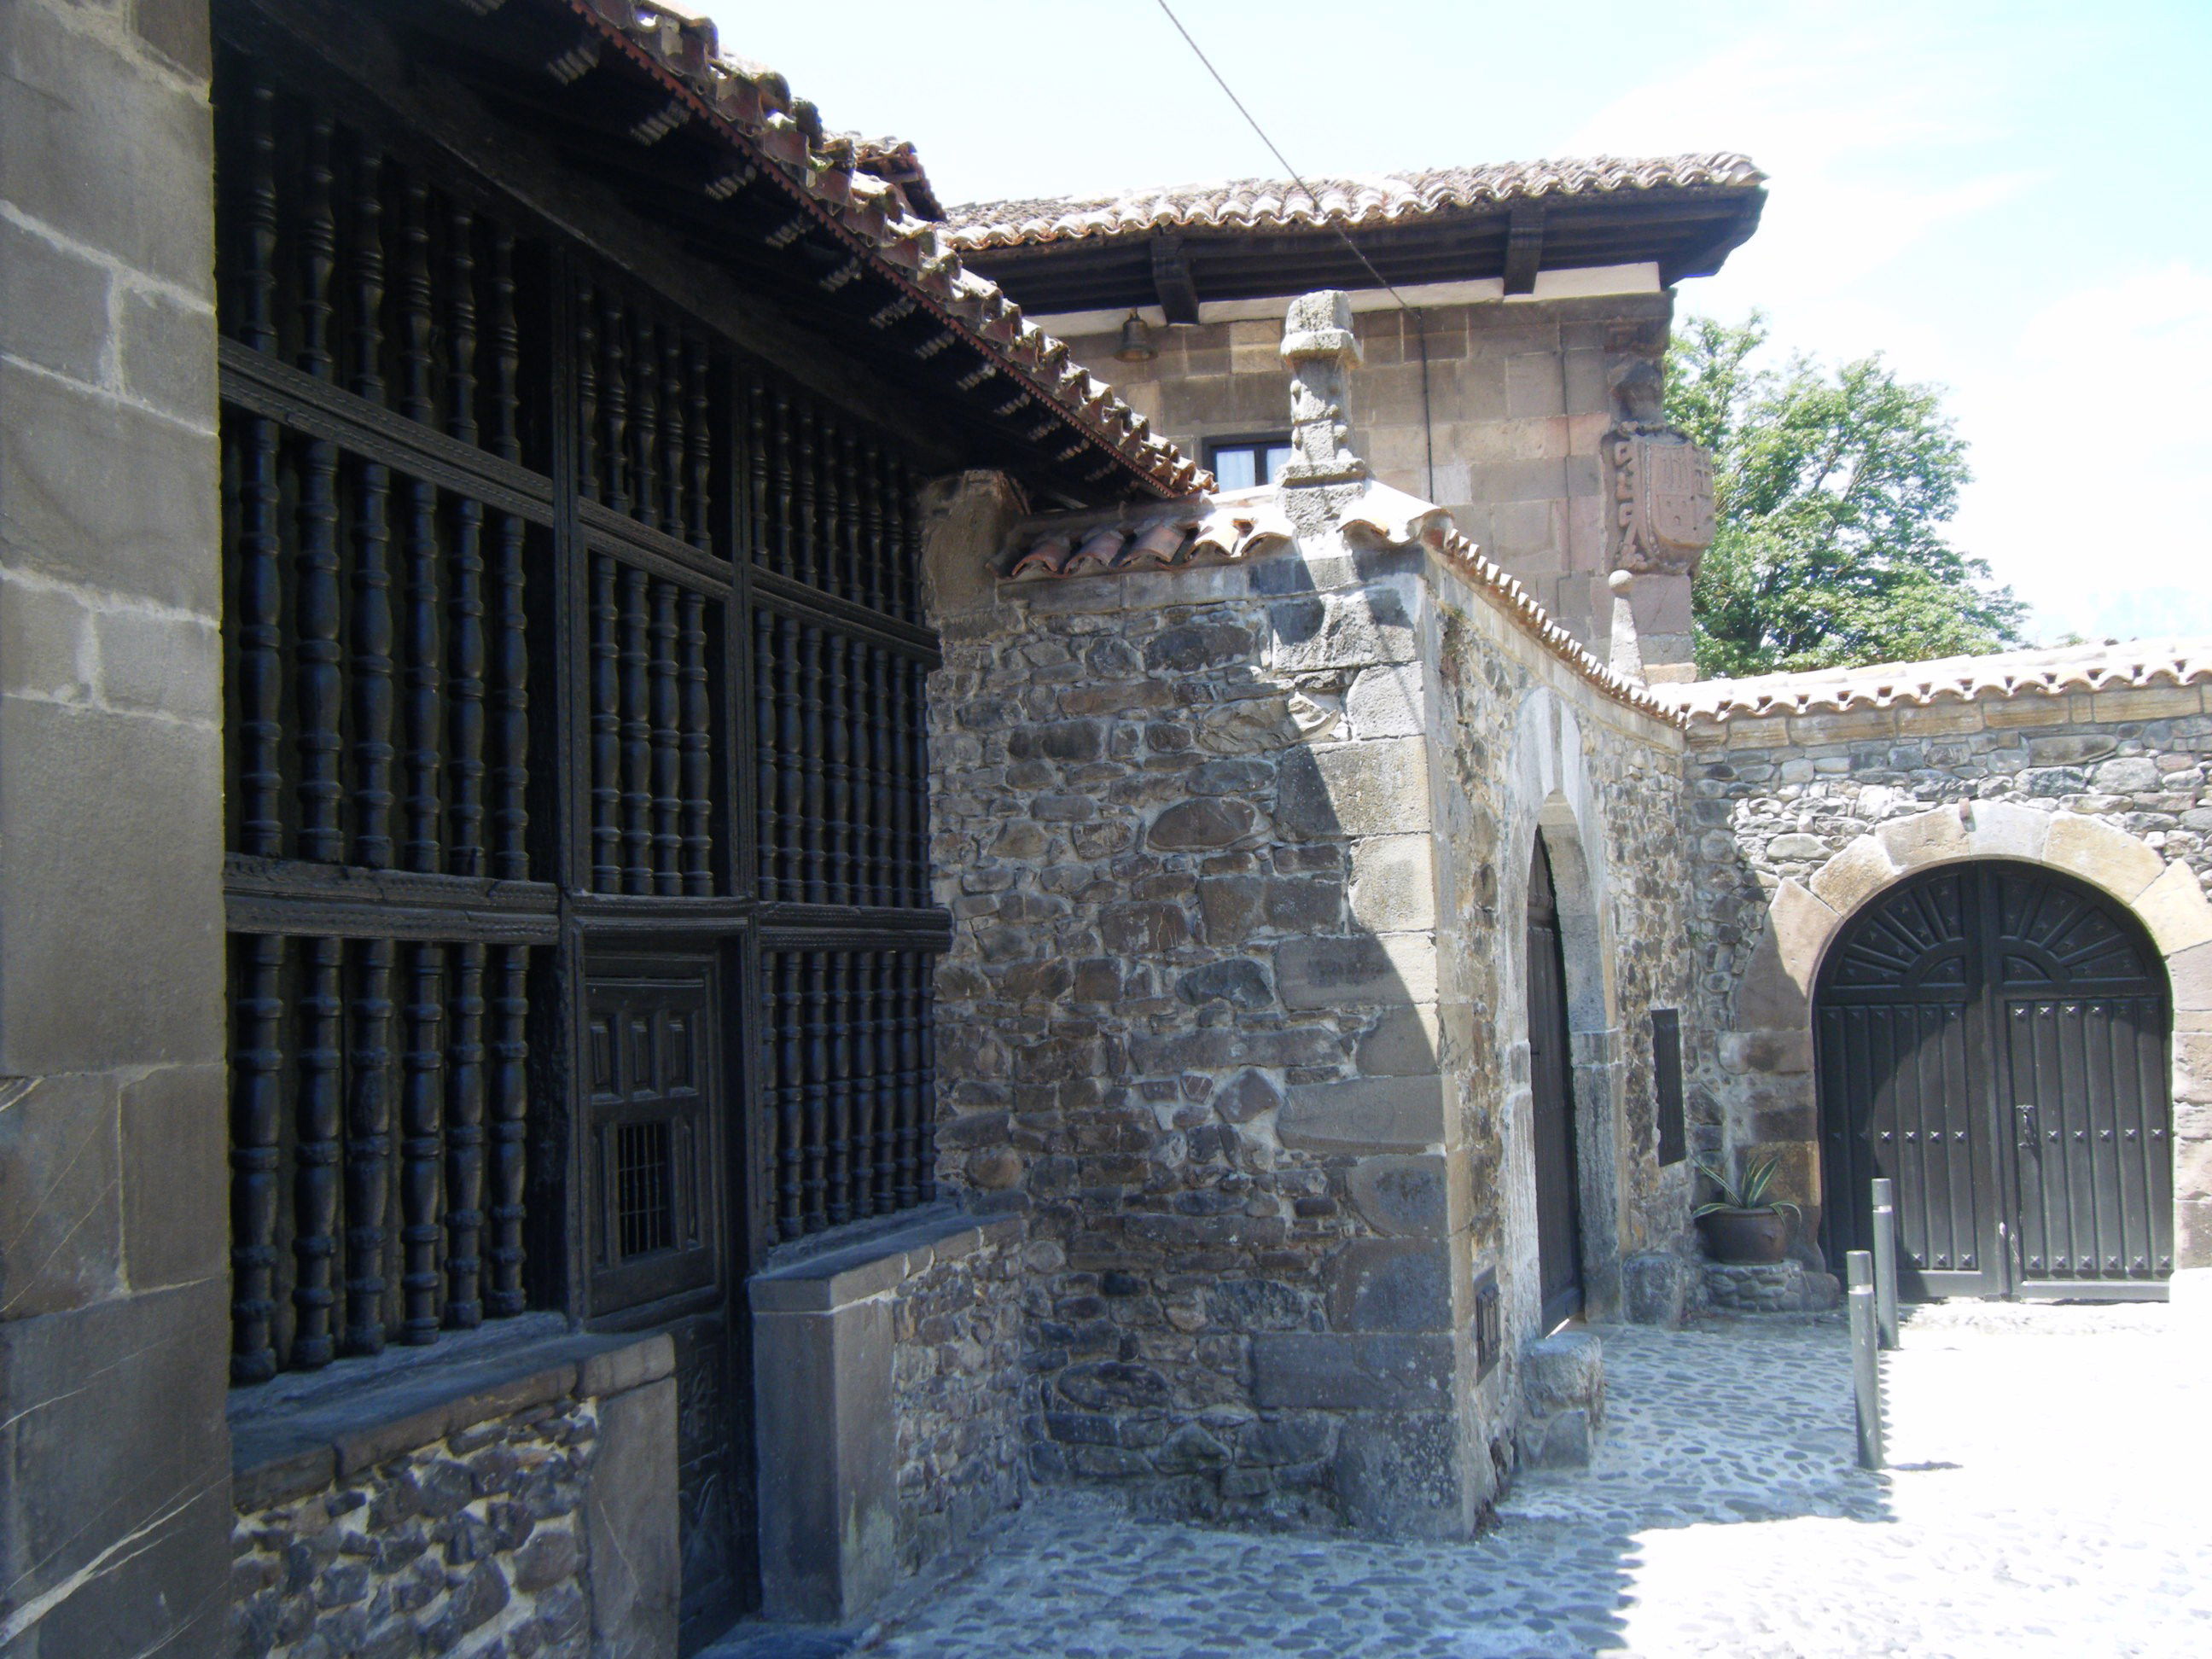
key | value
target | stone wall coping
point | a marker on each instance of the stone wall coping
(876, 1265)
(304, 1441)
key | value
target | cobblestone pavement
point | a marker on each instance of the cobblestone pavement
(2048, 1496)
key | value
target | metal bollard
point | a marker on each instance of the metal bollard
(1866, 1358)
(1884, 1259)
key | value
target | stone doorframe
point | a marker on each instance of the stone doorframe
(1772, 1035)
(1553, 796)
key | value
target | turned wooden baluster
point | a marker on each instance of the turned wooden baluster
(645, 417)
(910, 1078)
(260, 538)
(425, 680)
(860, 819)
(464, 1141)
(637, 739)
(510, 702)
(420, 1103)
(614, 398)
(461, 327)
(785, 562)
(368, 273)
(256, 1096)
(319, 688)
(917, 777)
(318, 1115)
(772, 1148)
(506, 349)
(699, 442)
(883, 1062)
(790, 782)
(675, 420)
(899, 711)
(815, 1092)
(587, 393)
(414, 302)
(371, 659)
(666, 700)
(851, 485)
(698, 751)
(510, 1107)
(805, 530)
(872, 524)
(368, 1146)
(839, 1177)
(788, 1102)
(372, 668)
(829, 572)
(606, 729)
(765, 883)
(883, 777)
(464, 739)
(810, 757)
(837, 774)
(867, 1124)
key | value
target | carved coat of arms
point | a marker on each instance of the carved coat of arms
(1662, 487)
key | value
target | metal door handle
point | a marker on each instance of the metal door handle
(2026, 1111)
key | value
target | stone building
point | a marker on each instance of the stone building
(1511, 319)
(680, 910)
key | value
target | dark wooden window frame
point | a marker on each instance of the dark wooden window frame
(557, 913)
(1666, 1084)
(1256, 444)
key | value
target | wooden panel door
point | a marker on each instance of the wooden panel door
(1993, 1037)
(1551, 1081)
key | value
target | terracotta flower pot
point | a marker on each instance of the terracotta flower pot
(1746, 1236)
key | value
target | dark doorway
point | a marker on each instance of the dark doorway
(1992, 1037)
(1551, 1081)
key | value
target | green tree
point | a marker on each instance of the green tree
(1831, 490)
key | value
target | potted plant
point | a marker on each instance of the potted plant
(1742, 1225)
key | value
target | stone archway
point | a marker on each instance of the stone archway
(1770, 1042)
(1554, 798)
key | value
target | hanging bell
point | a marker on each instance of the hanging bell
(1136, 345)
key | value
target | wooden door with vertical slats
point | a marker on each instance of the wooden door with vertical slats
(1993, 1037)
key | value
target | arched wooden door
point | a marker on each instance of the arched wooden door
(1993, 1037)
(1551, 1081)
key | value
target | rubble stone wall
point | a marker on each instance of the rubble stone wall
(1792, 821)
(1529, 750)
(1194, 1021)
(478, 1536)
(957, 1395)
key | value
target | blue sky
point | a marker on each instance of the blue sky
(2011, 200)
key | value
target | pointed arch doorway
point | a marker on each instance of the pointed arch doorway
(1992, 1036)
(1551, 1083)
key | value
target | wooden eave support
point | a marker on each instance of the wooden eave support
(1171, 280)
(1524, 246)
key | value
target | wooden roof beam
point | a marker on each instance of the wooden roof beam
(1171, 280)
(1524, 247)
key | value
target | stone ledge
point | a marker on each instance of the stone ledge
(344, 1423)
(840, 1276)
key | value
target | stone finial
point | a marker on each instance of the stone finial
(1320, 347)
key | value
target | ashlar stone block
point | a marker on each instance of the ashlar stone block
(2173, 908)
(1854, 875)
(1363, 970)
(2094, 850)
(1354, 789)
(1364, 1114)
(1393, 882)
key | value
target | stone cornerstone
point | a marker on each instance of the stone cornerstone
(1238, 857)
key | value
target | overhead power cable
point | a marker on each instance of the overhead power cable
(1420, 333)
